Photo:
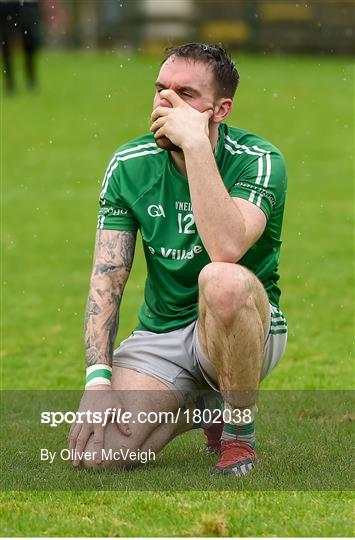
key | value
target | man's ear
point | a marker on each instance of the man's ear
(221, 110)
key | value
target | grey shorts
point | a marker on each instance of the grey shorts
(177, 359)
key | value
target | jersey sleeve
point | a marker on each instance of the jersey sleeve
(263, 182)
(115, 212)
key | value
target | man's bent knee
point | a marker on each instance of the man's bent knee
(225, 288)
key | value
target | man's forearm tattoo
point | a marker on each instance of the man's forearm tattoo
(113, 258)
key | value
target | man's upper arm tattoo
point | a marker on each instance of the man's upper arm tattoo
(113, 259)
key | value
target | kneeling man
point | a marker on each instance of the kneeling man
(208, 200)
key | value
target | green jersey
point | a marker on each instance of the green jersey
(142, 189)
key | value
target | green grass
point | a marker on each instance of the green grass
(56, 144)
(290, 459)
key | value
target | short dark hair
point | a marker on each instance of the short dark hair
(224, 70)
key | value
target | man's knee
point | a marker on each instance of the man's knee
(225, 288)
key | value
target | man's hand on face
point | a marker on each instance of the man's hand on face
(97, 399)
(181, 124)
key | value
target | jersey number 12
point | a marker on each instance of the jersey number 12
(186, 224)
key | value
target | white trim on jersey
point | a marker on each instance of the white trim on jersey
(118, 157)
(122, 152)
(240, 149)
(100, 222)
(135, 148)
(268, 169)
(260, 149)
(260, 170)
(278, 319)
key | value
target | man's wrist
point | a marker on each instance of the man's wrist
(98, 374)
(200, 144)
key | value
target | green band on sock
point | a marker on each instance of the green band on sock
(234, 429)
(245, 434)
(231, 429)
(245, 430)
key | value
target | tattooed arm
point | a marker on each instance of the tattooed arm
(113, 259)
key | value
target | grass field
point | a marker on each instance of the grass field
(56, 144)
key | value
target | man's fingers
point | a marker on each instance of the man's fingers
(160, 111)
(98, 443)
(81, 442)
(173, 98)
(73, 435)
(157, 124)
(124, 428)
(159, 133)
(72, 428)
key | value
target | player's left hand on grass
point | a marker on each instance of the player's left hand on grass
(102, 401)
(180, 123)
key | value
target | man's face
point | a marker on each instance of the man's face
(192, 81)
